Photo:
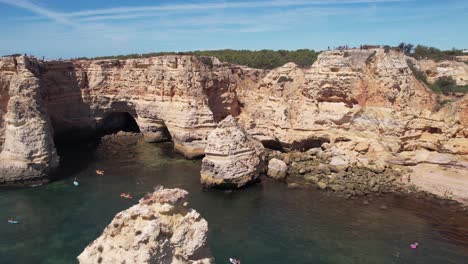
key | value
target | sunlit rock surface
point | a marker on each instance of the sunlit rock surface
(159, 229)
(233, 159)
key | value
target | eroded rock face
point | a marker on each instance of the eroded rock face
(159, 229)
(28, 151)
(170, 97)
(361, 90)
(7, 71)
(353, 108)
(455, 69)
(233, 159)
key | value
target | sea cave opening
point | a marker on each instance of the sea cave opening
(117, 121)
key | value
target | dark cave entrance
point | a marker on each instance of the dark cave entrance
(309, 143)
(78, 149)
(117, 121)
(273, 145)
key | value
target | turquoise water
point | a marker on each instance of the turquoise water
(265, 223)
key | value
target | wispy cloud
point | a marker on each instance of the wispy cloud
(223, 5)
(55, 16)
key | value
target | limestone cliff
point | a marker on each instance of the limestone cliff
(159, 229)
(458, 70)
(361, 107)
(182, 95)
(28, 151)
(7, 71)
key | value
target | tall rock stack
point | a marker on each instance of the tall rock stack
(233, 159)
(29, 151)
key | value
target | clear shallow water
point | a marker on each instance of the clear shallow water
(266, 223)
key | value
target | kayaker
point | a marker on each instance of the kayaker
(234, 261)
(12, 221)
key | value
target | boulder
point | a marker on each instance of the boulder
(159, 229)
(233, 159)
(277, 169)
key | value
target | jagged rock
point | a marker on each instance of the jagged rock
(277, 169)
(159, 229)
(232, 158)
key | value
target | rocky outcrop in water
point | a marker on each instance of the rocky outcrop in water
(233, 159)
(159, 229)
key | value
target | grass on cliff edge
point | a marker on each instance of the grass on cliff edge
(262, 59)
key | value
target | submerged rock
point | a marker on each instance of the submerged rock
(159, 229)
(277, 169)
(233, 159)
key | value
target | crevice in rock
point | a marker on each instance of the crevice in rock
(273, 145)
(309, 143)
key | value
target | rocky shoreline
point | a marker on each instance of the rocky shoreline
(356, 122)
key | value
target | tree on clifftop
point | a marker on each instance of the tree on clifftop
(406, 48)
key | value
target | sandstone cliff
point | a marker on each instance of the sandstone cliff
(159, 229)
(183, 95)
(28, 152)
(363, 108)
(455, 69)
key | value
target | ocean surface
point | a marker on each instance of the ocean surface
(265, 223)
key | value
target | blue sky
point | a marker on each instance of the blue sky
(65, 28)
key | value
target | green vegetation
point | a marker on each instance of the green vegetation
(406, 48)
(444, 84)
(12, 55)
(423, 52)
(445, 102)
(284, 79)
(262, 59)
(207, 61)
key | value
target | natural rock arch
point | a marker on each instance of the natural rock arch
(117, 121)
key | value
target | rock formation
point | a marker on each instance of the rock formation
(360, 108)
(233, 159)
(28, 152)
(277, 169)
(159, 229)
(178, 97)
(455, 69)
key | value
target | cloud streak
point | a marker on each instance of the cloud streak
(55, 16)
(223, 5)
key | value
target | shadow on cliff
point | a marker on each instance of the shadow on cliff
(77, 134)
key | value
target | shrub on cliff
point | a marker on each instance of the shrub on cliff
(207, 61)
(424, 52)
(261, 59)
(284, 79)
